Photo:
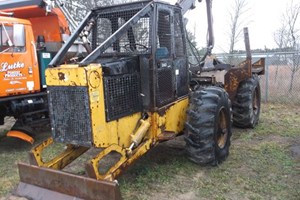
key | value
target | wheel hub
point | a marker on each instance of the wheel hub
(222, 129)
(255, 103)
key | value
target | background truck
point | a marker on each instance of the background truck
(31, 33)
(133, 90)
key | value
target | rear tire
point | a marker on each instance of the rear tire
(208, 126)
(246, 108)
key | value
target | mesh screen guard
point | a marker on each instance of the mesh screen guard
(135, 40)
(74, 125)
(121, 30)
(122, 95)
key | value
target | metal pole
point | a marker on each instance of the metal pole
(57, 60)
(267, 80)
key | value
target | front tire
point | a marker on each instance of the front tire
(208, 126)
(246, 108)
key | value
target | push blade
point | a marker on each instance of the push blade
(41, 183)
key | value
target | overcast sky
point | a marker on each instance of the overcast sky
(264, 18)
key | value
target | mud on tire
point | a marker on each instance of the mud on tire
(246, 108)
(208, 126)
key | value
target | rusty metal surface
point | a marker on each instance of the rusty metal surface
(259, 67)
(92, 167)
(37, 193)
(240, 73)
(166, 135)
(77, 187)
(247, 43)
(236, 75)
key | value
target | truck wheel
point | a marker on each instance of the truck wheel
(18, 126)
(208, 126)
(246, 108)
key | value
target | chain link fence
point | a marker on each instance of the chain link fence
(281, 82)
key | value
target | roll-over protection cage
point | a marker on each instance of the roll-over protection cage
(150, 30)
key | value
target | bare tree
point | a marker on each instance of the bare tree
(79, 8)
(237, 21)
(292, 17)
(239, 8)
(288, 37)
(280, 38)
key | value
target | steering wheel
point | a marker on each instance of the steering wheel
(128, 47)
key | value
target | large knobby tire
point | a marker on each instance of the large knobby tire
(208, 126)
(246, 108)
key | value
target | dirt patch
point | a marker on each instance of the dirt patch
(295, 150)
(11, 197)
(187, 196)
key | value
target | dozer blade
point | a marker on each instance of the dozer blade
(41, 183)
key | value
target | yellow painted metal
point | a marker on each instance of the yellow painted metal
(125, 160)
(66, 157)
(139, 134)
(60, 161)
(108, 133)
(36, 152)
(176, 116)
(127, 125)
(137, 153)
(170, 118)
(104, 133)
(93, 165)
(116, 135)
(66, 75)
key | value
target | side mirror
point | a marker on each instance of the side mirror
(19, 35)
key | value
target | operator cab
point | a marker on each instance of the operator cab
(142, 53)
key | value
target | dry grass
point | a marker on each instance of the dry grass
(279, 84)
(261, 165)
(12, 151)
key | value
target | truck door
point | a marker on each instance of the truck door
(19, 73)
(180, 56)
(170, 56)
(165, 79)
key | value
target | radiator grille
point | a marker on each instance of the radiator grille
(70, 114)
(122, 95)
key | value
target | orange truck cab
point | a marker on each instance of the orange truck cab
(30, 35)
(19, 68)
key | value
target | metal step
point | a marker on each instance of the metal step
(167, 135)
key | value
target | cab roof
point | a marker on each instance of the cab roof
(14, 20)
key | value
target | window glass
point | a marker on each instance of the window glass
(7, 37)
